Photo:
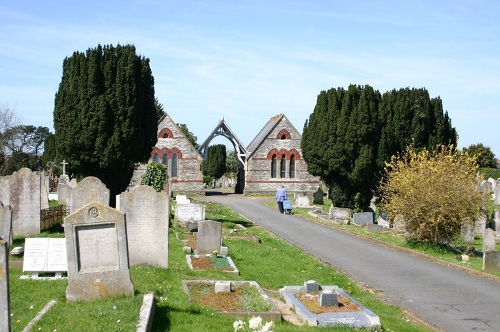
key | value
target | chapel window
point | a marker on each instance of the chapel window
(292, 166)
(283, 166)
(273, 166)
(173, 169)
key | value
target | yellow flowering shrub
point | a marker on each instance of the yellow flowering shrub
(435, 192)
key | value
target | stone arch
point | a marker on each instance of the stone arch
(165, 133)
(284, 134)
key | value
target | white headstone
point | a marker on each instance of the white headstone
(189, 212)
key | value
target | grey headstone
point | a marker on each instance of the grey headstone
(191, 226)
(341, 215)
(497, 195)
(302, 200)
(147, 214)
(480, 225)
(4, 287)
(96, 244)
(25, 202)
(209, 237)
(362, 218)
(64, 194)
(328, 298)
(6, 223)
(189, 212)
(311, 286)
(467, 232)
(491, 261)
(318, 197)
(5, 190)
(489, 240)
(90, 189)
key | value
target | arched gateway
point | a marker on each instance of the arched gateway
(273, 158)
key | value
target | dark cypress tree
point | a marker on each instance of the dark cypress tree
(105, 116)
(351, 134)
(214, 164)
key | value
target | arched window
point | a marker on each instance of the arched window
(283, 166)
(164, 159)
(283, 136)
(292, 166)
(165, 135)
(273, 166)
(155, 157)
(173, 169)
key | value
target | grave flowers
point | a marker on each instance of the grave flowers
(254, 324)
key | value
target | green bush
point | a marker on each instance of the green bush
(155, 176)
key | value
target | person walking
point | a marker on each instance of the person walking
(280, 198)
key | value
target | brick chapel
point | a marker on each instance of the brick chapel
(273, 158)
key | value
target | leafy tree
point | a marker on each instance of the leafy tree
(189, 135)
(8, 119)
(214, 164)
(18, 160)
(105, 118)
(435, 192)
(352, 133)
(155, 176)
(485, 157)
(159, 109)
(232, 165)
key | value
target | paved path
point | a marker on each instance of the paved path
(444, 297)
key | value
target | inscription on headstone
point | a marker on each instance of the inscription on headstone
(96, 246)
(45, 255)
(147, 214)
(25, 202)
(189, 212)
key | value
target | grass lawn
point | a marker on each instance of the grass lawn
(257, 261)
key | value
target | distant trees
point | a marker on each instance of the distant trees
(435, 192)
(189, 135)
(214, 165)
(352, 133)
(105, 114)
(232, 165)
(485, 157)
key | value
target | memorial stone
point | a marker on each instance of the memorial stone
(189, 212)
(311, 286)
(209, 237)
(497, 195)
(467, 233)
(64, 194)
(488, 240)
(6, 223)
(4, 287)
(362, 218)
(25, 202)
(5, 190)
(480, 225)
(491, 261)
(43, 255)
(96, 244)
(318, 197)
(340, 215)
(302, 200)
(147, 214)
(90, 189)
(182, 199)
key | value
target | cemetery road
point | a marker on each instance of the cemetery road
(444, 297)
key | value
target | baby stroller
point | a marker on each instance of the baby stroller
(287, 207)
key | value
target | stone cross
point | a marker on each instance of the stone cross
(64, 163)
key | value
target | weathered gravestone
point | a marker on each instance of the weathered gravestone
(189, 212)
(488, 240)
(5, 190)
(340, 215)
(468, 232)
(42, 255)
(491, 261)
(362, 218)
(146, 214)
(318, 197)
(182, 199)
(25, 202)
(302, 200)
(497, 195)
(64, 194)
(209, 237)
(96, 244)
(6, 223)
(382, 220)
(4, 287)
(90, 189)
(480, 225)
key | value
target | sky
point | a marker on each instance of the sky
(247, 61)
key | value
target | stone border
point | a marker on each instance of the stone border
(274, 314)
(233, 266)
(359, 319)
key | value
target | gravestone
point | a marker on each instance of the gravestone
(4, 287)
(5, 190)
(64, 194)
(467, 233)
(25, 202)
(43, 255)
(6, 223)
(96, 244)
(491, 261)
(189, 212)
(318, 197)
(382, 220)
(362, 218)
(147, 214)
(480, 225)
(497, 195)
(302, 200)
(340, 215)
(90, 189)
(489, 240)
(209, 237)
(182, 199)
